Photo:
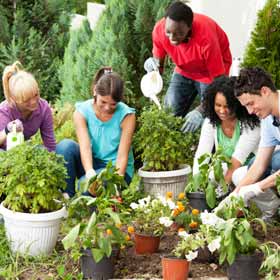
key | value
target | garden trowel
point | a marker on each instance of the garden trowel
(151, 85)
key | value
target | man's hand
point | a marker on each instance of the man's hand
(193, 121)
(249, 192)
(224, 202)
(151, 64)
(17, 123)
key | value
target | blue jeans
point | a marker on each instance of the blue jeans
(181, 94)
(71, 153)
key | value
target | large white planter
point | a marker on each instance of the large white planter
(32, 234)
(158, 183)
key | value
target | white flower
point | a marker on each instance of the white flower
(192, 255)
(134, 205)
(171, 204)
(210, 219)
(214, 245)
(162, 199)
(144, 201)
(183, 234)
(165, 221)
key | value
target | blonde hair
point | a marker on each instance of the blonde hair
(18, 85)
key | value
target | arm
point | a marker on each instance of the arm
(257, 169)
(128, 127)
(47, 131)
(206, 143)
(84, 141)
(3, 137)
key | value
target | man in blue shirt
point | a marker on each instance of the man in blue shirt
(256, 91)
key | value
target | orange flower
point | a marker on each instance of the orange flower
(109, 232)
(169, 195)
(179, 203)
(127, 238)
(130, 229)
(193, 224)
(181, 229)
(181, 195)
(195, 211)
(181, 208)
(175, 212)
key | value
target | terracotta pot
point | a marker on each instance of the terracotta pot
(174, 268)
(146, 244)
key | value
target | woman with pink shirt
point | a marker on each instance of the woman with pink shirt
(24, 107)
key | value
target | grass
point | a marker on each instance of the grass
(57, 266)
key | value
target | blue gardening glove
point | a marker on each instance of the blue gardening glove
(151, 64)
(193, 121)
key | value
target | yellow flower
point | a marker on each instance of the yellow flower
(181, 208)
(109, 232)
(127, 238)
(130, 229)
(195, 211)
(118, 225)
(193, 224)
(175, 212)
(181, 229)
(169, 195)
(181, 195)
(179, 203)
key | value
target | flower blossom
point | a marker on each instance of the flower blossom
(144, 201)
(134, 205)
(211, 219)
(165, 221)
(183, 234)
(214, 245)
(191, 255)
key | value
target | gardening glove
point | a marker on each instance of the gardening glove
(90, 173)
(249, 192)
(151, 64)
(225, 202)
(18, 123)
(193, 121)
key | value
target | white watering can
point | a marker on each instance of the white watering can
(151, 85)
(14, 138)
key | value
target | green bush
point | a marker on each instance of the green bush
(263, 48)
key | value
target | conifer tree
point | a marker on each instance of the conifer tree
(264, 47)
(35, 33)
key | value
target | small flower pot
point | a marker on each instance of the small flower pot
(245, 267)
(197, 200)
(174, 268)
(102, 270)
(146, 244)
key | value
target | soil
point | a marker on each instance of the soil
(129, 265)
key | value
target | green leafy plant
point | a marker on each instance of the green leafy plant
(160, 141)
(100, 231)
(271, 264)
(31, 178)
(209, 163)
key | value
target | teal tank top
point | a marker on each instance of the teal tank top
(105, 136)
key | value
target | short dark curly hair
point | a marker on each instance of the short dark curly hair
(225, 85)
(179, 11)
(251, 80)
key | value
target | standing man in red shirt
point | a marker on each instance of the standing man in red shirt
(200, 50)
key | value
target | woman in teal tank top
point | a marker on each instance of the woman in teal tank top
(227, 124)
(104, 127)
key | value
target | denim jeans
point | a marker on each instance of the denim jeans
(181, 94)
(71, 153)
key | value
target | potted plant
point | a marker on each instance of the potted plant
(235, 240)
(202, 188)
(165, 151)
(176, 266)
(31, 180)
(150, 217)
(94, 225)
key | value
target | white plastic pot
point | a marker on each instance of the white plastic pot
(158, 183)
(32, 234)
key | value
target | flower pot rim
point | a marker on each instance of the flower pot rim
(186, 169)
(147, 234)
(172, 257)
(36, 217)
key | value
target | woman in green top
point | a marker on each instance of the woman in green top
(227, 124)
(104, 127)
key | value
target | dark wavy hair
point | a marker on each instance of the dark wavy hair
(251, 80)
(225, 85)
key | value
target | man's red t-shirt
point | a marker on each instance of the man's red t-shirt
(205, 56)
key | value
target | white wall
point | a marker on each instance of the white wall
(236, 17)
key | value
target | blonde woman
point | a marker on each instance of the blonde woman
(24, 107)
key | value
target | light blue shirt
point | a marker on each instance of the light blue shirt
(105, 136)
(270, 134)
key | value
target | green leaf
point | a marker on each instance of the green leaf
(97, 254)
(211, 195)
(69, 240)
